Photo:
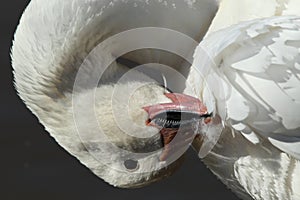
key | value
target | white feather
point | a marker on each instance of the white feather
(256, 63)
(232, 12)
(52, 41)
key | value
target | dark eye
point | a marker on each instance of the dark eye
(131, 165)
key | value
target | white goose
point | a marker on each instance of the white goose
(257, 66)
(51, 42)
(257, 152)
(259, 149)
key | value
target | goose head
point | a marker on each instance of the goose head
(74, 88)
(125, 151)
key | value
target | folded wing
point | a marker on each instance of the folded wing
(258, 63)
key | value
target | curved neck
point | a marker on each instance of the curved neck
(232, 11)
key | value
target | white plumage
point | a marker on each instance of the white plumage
(256, 65)
(249, 75)
(50, 44)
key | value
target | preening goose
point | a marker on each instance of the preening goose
(57, 38)
(252, 80)
(256, 63)
(248, 74)
(244, 78)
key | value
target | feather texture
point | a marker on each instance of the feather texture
(232, 12)
(55, 37)
(256, 63)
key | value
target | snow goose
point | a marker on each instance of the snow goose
(249, 75)
(54, 38)
(257, 153)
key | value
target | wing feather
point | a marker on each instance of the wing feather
(260, 60)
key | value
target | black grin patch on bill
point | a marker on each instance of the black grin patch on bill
(174, 119)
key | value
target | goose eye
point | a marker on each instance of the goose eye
(131, 165)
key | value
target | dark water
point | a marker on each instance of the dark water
(34, 167)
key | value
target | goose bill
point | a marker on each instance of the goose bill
(177, 121)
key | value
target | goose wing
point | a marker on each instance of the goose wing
(258, 63)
